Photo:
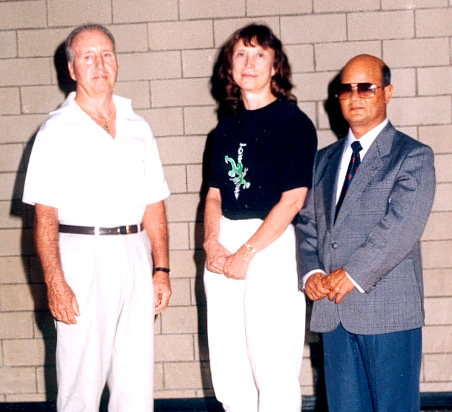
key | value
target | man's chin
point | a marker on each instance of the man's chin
(103, 89)
(356, 119)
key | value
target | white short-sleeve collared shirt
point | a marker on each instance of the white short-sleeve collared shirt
(91, 178)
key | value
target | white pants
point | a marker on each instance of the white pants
(256, 326)
(112, 341)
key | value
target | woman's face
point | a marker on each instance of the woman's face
(252, 67)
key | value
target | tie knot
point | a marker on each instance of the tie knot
(356, 147)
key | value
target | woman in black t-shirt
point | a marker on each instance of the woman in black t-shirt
(262, 158)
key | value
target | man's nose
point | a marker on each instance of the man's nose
(354, 93)
(99, 61)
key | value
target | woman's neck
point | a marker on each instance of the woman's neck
(253, 101)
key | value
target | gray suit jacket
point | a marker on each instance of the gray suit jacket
(375, 237)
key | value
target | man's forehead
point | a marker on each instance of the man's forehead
(364, 69)
(92, 36)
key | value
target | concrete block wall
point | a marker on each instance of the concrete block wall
(166, 51)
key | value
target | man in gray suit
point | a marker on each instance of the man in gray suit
(359, 249)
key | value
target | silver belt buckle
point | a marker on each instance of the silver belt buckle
(125, 230)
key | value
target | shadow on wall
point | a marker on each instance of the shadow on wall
(339, 127)
(217, 91)
(30, 262)
(32, 267)
(338, 124)
(65, 83)
(199, 258)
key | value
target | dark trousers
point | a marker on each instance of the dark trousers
(372, 373)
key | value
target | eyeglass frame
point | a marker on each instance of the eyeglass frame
(355, 86)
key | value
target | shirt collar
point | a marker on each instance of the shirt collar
(122, 104)
(367, 139)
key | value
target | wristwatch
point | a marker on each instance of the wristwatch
(250, 248)
(159, 269)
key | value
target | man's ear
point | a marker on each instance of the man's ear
(70, 67)
(388, 90)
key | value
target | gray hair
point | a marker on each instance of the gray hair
(74, 33)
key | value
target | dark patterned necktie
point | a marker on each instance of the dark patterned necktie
(355, 160)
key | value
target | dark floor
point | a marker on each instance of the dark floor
(431, 402)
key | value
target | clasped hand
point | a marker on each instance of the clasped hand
(222, 261)
(335, 285)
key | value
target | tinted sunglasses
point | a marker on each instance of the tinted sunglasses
(365, 90)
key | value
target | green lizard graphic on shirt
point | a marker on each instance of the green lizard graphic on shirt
(238, 172)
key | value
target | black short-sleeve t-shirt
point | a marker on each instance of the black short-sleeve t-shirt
(259, 154)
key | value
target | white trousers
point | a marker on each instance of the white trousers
(112, 341)
(256, 326)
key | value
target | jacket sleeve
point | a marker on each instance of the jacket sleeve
(307, 239)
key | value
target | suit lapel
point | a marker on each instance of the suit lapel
(370, 165)
(329, 177)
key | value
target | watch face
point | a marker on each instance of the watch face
(250, 248)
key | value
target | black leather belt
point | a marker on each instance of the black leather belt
(91, 230)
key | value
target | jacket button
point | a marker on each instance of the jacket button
(334, 245)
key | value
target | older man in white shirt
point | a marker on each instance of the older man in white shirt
(96, 181)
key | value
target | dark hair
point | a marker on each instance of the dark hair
(385, 75)
(89, 26)
(253, 34)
